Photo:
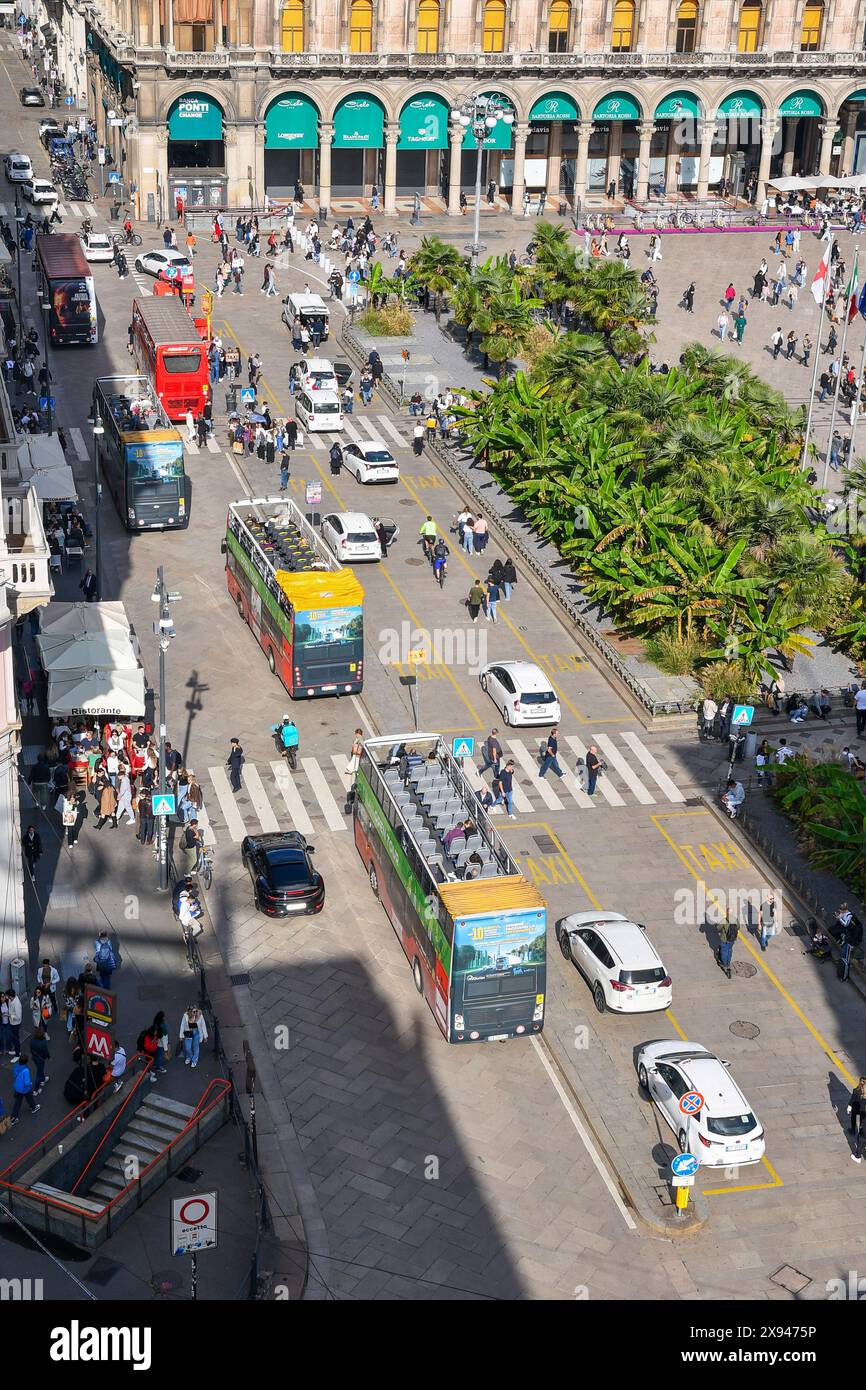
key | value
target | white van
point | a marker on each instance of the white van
(319, 410)
(311, 309)
(18, 168)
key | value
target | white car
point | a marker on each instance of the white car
(97, 246)
(317, 374)
(351, 536)
(371, 462)
(617, 958)
(152, 262)
(35, 190)
(522, 691)
(725, 1132)
(18, 168)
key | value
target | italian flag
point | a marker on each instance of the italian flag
(821, 279)
(851, 294)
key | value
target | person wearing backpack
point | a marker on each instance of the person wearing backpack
(728, 933)
(104, 959)
(22, 1088)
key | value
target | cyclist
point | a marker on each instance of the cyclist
(289, 738)
(127, 228)
(428, 533)
(440, 560)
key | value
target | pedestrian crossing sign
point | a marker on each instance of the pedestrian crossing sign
(743, 714)
(462, 747)
(163, 803)
(248, 395)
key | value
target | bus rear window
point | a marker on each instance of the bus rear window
(178, 363)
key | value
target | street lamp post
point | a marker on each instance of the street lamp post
(482, 113)
(98, 430)
(45, 313)
(19, 222)
(164, 630)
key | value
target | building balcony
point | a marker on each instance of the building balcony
(24, 553)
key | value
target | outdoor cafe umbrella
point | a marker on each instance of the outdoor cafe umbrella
(67, 619)
(98, 693)
(111, 651)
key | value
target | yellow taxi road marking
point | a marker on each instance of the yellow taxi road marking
(578, 876)
(471, 570)
(757, 956)
(329, 487)
(677, 1029)
(747, 1187)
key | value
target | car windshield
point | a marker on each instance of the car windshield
(642, 977)
(538, 697)
(378, 456)
(98, 241)
(362, 536)
(730, 1126)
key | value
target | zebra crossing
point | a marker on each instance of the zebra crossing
(212, 446)
(79, 210)
(361, 429)
(312, 799)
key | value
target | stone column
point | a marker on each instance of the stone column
(789, 135)
(614, 154)
(392, 135)
(456, 135)
(326, 136)
(554, 158)
(707, 130)
(521, 135)
(829, 131)
(849, 128)
(645, 132)
(259, 162)
(584, 135)
(769, 131)
(672, 155)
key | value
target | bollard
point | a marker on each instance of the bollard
(682, 1200)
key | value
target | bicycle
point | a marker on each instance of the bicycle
(440, 570)
(204, 868)
(126, 239)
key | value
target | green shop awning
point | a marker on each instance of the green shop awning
(359, 123)
(801, 104)
(676, 105)
(424, 124)
(291, 123)
(500, 136)
(556, 106)
(857, 96)
(195, 117)
(619, 106)
(740, 104)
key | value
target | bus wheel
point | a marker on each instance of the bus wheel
(374, 880)
(271, 662)
(418, 976)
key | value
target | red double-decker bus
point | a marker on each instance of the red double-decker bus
(168, 350)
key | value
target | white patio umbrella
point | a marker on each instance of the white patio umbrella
(69, 618)
(109, 651)
(108, 694)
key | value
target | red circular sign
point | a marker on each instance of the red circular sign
(194, 1203)
(692, 1103)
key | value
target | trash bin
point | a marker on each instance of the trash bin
(751, 745)
(563, 209)
(231, 399)
(114, 212)
(18, 976)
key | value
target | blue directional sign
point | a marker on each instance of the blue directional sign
(45, 401)
(462, 747)
(113, 176)
(163, 803)
(248, 395)
(684, 1165)
(69, 101)
(354, 276)
(743, 715)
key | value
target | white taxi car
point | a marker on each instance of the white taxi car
(97, 246)
(522, 691)
(371, 462)
(725, 1132)
(617, 959)
(38, 191)
(351, 536)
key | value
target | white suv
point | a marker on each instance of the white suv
(725, 1132)
(618, 960)
(18, 168)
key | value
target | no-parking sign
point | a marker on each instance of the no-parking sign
(692, 1103)
(194, 1223)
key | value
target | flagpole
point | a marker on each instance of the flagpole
(857, 412)
(829, 254)
(851, 283)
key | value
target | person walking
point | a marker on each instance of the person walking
(776, 342)
(709, 710)
(234, 763)
(688, 300)
(190, 427)
(124, 795)
(767, 927)
(104, 959)
(40, 1054)
(491, 600)
(506, 788)
(492, 750)
(159, 1030)
(549, 758)
(31, 845)
(193, 1032)
(739, 327)
(790, 346)
(807, 349)
(355, 753)
(88, 586)
(722, 323)
(593, 769)
(22, 1088)
(476, 597)
(728, 933)
(729, 296)
(13, 1023)
(857, 1111)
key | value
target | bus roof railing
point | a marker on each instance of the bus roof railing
(265, 509)
(131, 387)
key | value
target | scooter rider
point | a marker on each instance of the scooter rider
(289, 738)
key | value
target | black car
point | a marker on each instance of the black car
(284, 880)
(31, 96)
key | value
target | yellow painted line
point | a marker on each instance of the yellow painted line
(677, 1029)
(545, 825)
(471, 570)
(748, 1187)
(341, 503)
(757, 956)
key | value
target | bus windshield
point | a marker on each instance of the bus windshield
(177, 363)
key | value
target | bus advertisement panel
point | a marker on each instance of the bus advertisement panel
(305, 609)
(472, 927)
(64, 279)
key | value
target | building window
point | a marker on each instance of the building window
(687, 26)
(622, 36)
(749, 29)
(292, 26)
(428, 27)
(493, 27)
(560, 21)
(813, 18)
(193, 26)
(238, 23)
(361, 26)
(145, 23)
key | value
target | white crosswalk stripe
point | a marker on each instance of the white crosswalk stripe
(393, 433)
(351, 432)
(310, 799)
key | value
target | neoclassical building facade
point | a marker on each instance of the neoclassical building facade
(227, 101)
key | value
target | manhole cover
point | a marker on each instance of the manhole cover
(189, 1174)
(239, 979)
(791, 1279)
(407, 501)
(545, 843)
(412, 561)
(742, 1029)
(102, 1271)
(664, 1196)
(744, 969)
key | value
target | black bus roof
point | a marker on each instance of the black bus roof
(62, 256)
(166, 320)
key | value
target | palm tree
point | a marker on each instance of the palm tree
(436, 267)
(504, 324)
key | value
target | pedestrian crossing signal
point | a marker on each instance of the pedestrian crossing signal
(463, 747)
(743, 714)
(163, 804)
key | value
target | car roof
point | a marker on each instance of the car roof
(318, 364)
(16, 154)
(276, 839)
(630, 942)
(722, 1095)
(318, 397)
(367, 445)
(358, 519)
(525, 671)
